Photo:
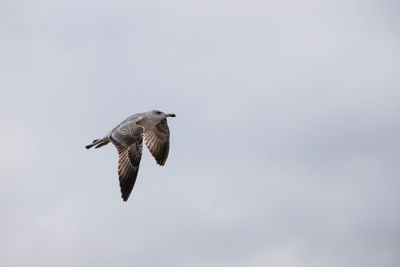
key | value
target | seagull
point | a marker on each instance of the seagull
(127, 137)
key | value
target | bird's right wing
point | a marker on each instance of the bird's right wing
(128, 139)
(157, 141)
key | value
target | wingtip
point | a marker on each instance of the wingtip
(161, 163)
(125, 196)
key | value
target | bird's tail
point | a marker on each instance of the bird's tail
(98, 143)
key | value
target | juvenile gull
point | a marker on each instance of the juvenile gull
(127, 137)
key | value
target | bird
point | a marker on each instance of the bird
(127, 137)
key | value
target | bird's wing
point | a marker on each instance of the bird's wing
(128, 139)
(157, 141)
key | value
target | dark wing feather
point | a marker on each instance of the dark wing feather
(128, 140)
(157, 141)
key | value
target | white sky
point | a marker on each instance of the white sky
(284, 151)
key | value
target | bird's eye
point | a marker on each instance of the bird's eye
(158, 112)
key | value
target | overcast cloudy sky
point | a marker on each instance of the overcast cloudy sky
(284, 151)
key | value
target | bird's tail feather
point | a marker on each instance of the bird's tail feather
(98, 143)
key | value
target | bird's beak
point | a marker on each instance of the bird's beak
(170, 115)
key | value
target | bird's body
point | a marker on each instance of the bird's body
(127, 137)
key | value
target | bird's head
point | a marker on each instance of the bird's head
(151, 118)
(160, 115)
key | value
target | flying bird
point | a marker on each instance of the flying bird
(127, 137)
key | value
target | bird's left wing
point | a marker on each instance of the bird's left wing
(128, 139)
